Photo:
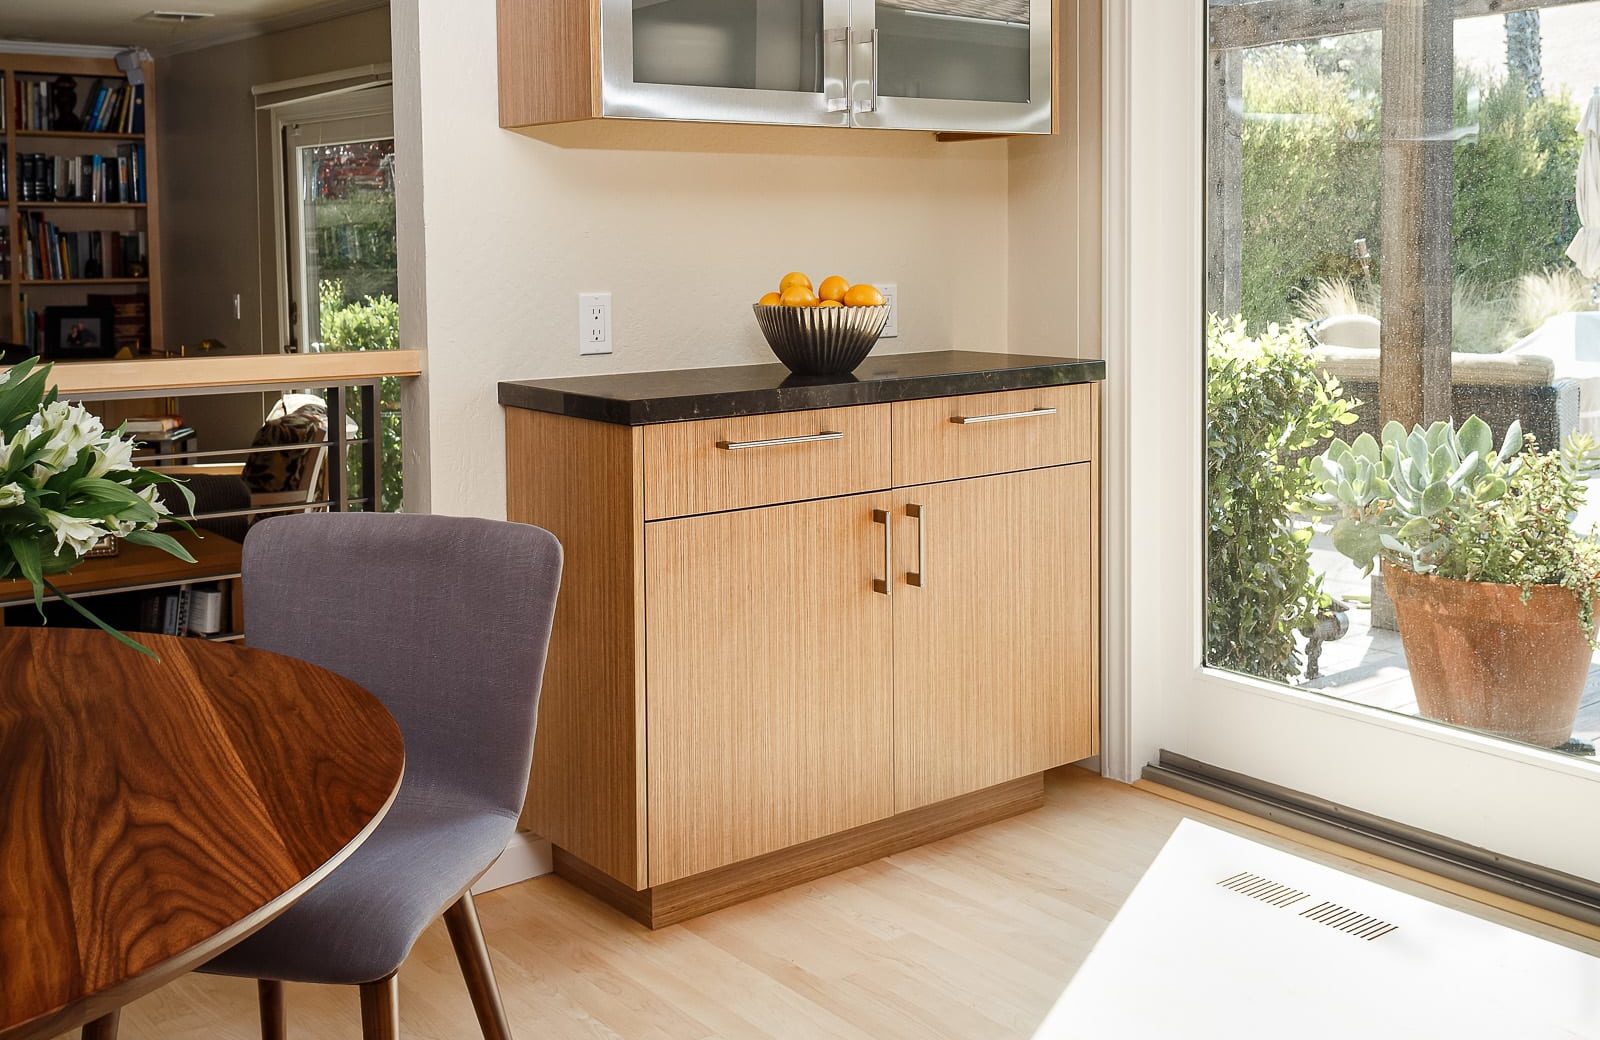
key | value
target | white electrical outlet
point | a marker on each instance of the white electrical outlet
(594, 323)
(891, 296)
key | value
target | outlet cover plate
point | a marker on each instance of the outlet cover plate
(594, 323)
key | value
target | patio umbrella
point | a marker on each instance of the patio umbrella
(1585, 249)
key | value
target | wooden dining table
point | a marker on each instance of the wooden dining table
(153, 813)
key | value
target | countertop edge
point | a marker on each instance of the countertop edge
(527, 395)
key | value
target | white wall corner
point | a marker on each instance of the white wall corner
(411, 244)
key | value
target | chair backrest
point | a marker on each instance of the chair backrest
(446, 620)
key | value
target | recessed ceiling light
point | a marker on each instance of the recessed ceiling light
(176, 16)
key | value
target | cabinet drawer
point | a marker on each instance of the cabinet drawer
(947, 438)
(710, 465)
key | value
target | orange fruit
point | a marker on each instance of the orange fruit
(863, 296)
(833, 288)
(830, 303)
(794, 278)
(799, 296)
(772, 299)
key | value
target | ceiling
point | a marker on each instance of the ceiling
(120, 23)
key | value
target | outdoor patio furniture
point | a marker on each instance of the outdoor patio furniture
(1498, 388)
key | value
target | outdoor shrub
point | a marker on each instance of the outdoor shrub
(1515, 205)
(1267, 408)
(1312, 185)
(369, 323)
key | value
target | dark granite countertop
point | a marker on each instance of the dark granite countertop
(643, 398)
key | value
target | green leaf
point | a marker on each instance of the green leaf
(101, 625)
(1366, 447)
(166, 543)
(25, 551)
(1468, 466)
(1475, 437)
(1359, 542)
(1436, 498)
(1513, 441)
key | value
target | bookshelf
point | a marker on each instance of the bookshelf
(122, 270)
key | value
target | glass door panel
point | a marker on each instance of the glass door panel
(959, 50)
(764, 61)
(953, 65)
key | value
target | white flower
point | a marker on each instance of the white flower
(151, 495)
(112, 455)
(71, 428)
(74, 532)
(11, 495)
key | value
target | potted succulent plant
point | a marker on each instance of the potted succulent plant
(1493, 588)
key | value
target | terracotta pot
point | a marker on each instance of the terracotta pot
(1482, 658)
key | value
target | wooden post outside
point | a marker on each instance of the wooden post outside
(1418, 202)
(1225, 183)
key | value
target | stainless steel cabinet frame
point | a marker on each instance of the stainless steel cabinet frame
(941, 65)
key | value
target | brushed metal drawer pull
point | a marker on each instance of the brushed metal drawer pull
(968, 420)
(885, 584)
(825, 435)
(919, 577)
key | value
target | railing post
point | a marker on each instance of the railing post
(372, 450)
(338, 458)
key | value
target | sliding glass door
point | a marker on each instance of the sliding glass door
(1394, 399)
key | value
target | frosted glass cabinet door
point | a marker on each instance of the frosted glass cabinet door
(742, 61)
(961, 65)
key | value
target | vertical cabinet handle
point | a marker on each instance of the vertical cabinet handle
(919, 577)
(868, 38)
(885, 585)
(837, 42)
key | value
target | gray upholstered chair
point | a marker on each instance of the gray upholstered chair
(446, 620)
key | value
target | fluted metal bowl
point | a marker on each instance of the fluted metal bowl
(822, 341)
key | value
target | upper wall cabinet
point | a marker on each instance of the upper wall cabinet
(980, 66)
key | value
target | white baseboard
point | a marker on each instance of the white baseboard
(527, 856)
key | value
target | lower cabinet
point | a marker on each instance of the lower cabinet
(818, 666)
(993, 631)
(770, 715)
(794, 641)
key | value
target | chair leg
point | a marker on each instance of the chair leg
(467, 937)
(103, 1028)
(273, 1024)
(380, 1009)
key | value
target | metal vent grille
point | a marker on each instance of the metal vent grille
(1265, 889)
(1334, 915)
(1351, 922)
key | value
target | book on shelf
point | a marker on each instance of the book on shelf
(150, 424)
(84, 178)
(51, 254)
(173, 436)
(102, 107)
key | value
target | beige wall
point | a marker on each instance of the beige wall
(1054, 214)
(213, 243)
(686, 225)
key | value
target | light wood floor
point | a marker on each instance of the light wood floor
(972, 937)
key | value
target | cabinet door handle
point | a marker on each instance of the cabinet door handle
(870, 39)
(825, 435)
(885, 584)
(968, 420)
(919, 577)
(831, 39)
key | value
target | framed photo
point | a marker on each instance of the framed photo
(75, 333)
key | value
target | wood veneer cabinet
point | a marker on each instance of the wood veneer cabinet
(795, 640)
